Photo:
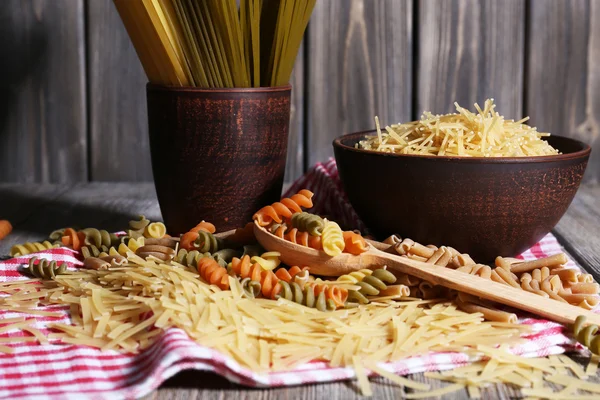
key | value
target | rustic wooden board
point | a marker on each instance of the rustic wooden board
(563, 73)
(119, 145)
(468, 51)
(42, 91)
(359, 66)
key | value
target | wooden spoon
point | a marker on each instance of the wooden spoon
(322, 264)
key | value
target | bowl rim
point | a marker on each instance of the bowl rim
(585, 152)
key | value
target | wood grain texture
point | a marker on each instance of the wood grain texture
(579, 229)
(294, 167)
(360, 65)
(42, 91)
(469, 51)
(119, 149)
(563, 72)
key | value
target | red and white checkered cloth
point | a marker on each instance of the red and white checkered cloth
(68, 371)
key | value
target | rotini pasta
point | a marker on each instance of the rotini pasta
(250, 288)
(586, 335)
(303, 239)
(270, 286)
(57, 234)
(190, 258)
(332, 239)
(203, 241)
(283, 210)
(372, 284)
(287, 275)
(155, 230)
(213, 273)
(224, 256)
(307, 297)
(31, 247)
(44, 269)
(99, 238)
(5, 228)
(354, 243)
(356, 276)
(268, 261)
(73, 239)
(307, 222)
(93, 251)
(279, 230)
(204, 226)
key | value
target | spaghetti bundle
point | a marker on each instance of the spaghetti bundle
(215, 43)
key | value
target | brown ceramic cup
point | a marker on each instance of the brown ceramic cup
(485, 207)
(217, 154)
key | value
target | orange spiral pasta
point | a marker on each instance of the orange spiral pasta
(188, 239)
(269, 282)
(213, 273)
(287, 275)
(204, 226)
(355, 243)
(73, 239)
(339, 295)
(283, 210)
(5, 228)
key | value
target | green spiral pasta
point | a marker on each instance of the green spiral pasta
(306, 297)
(333, 239)
(189, 258)
(45, 269)
(31, 247)
(57, 234)
(586, 335)
(371, 285)
(251, 288)
(100, 237)
(356, 297)
(307, 222)
(207, 242)
(94, 251)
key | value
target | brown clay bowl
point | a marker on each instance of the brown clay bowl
(485, 207)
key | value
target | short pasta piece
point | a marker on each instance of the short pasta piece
(354, 243)
(44, 269)
(5, 228)
(333, 239)
(156, 230)
(307, 222)
(31, 247)
(213, 273)
(282, 211)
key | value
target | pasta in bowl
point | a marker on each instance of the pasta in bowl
(484, 206)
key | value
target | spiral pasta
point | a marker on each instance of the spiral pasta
(203, 241)
(332, 239)
(586, 335)
(279, 230)
(356, 276)
(129, 245)
(45, 269)
(287, 275)
(99, 238)
(189, 258)
(250, 288)
(213, 273)
(354, 243)
(57, 234)
(31, 247)
(372, 284)
(306, 297)
(268, 261)
(5, 228)
(73, 239)
(204, 226)
(155, 230)
(94, 251)
(307, 222)
(283, 210)
(270, 286)
(224, 256)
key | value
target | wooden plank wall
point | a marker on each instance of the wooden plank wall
(73, 104)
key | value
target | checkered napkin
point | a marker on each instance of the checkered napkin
(68, 371)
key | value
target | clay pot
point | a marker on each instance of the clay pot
(485, 207)
(217, 154)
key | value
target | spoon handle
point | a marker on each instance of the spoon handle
(486, 289)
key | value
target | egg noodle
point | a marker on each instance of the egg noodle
(466, 134)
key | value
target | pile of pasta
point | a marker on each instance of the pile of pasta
(230, 294)
(466, 134)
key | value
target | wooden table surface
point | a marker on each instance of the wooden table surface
(36, 210)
